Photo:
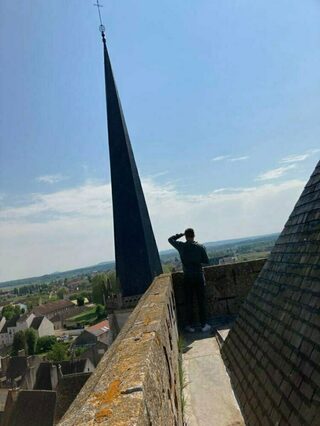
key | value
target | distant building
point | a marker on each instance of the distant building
(58, 311)
(95, 352)
(50, 373)
(25, 321)
(42, 326)
(50, 309)
(29, 408)
(8, 328)
(96, 333)
(19, 371)
(74, 284)
(66, 378)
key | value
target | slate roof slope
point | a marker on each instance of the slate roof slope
(50, 307)
(273, 350)
(72, 366)
(17, 366)
(43, 378)
(34, 408)
(100, 328)
(36, 322)
(67, 390)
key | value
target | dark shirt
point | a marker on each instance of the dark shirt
(192, 254)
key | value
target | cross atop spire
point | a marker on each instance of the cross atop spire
(98, 6)
(101, 27)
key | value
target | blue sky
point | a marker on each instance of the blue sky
(222, 104)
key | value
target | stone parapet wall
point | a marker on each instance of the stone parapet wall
(273, 350)
(227, 287)
(137, 380)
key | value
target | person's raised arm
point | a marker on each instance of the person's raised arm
(173, 240)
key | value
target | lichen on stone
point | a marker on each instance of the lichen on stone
(110, 394)
(102, 414)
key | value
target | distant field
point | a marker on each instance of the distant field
(253, 256)
(87, 317)
(33, 299)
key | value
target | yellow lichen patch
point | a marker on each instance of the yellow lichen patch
(110, 394)
(147, 320)
(102, 414)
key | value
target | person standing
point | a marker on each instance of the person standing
(193, 256)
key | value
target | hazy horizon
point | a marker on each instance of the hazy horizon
(113, 260)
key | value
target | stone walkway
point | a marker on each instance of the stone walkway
(209, 399)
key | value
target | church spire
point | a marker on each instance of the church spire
(137, 257)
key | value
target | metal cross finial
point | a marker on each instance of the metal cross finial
(98, 5)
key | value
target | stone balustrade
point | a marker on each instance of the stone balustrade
(137, 380)
(227, 287)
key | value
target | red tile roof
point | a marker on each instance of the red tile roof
(101, 327)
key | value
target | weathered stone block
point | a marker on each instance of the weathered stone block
(227, 287)
(137, 380)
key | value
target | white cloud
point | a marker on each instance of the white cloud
(51, 178)
(244, 157)
(275, 173)
(231, 189)
(220, 158)
(227, 157)
(294, 158)
(73, 227)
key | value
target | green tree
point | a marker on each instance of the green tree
(79, 351)
(19, 342)
(61, 292)
(99, 282)
(31, 340)
(45, 343)
(87, 294)
(80, 300)
(58, 352)
(9, 311)
(113, 282)
(100, 311)
(17, 310)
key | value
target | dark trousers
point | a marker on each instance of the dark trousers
(194, 286)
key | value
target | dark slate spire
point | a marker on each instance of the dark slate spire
(137, 257)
